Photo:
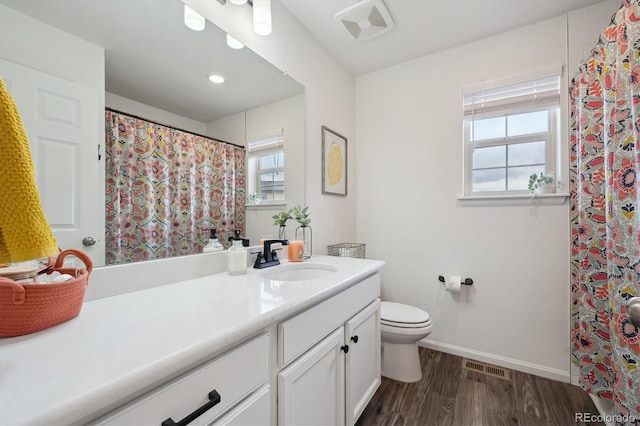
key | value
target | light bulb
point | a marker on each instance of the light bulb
(262, 17)
(233, 43)
(193, 19)
(216, 78)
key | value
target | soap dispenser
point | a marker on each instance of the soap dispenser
(236, 236)
(213, 244)
(237, 258)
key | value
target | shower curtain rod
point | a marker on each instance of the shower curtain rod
(172, 127)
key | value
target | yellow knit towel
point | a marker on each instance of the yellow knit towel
(24, 230)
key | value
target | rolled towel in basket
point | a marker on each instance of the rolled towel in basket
(25, 233)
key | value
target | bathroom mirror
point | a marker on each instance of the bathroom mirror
(153, 59)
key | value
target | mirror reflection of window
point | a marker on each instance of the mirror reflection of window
(265, 170)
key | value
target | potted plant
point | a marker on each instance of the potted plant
(543, 183)
(300, 215)
(304, 231)
(280, 220)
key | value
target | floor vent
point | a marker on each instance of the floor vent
(487, 369)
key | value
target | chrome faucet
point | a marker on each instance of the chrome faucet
(268, 257)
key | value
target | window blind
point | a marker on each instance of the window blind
(543, 92)
(268, 142)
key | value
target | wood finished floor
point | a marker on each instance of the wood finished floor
(450, 395)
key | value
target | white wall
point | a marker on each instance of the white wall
(329, 101)
(409, 162)
(229, 129)
(48, 49)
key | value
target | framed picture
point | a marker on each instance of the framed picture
(334, 163)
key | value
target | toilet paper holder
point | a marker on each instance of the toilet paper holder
(466, 281)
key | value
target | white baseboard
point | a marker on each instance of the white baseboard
(514, 364)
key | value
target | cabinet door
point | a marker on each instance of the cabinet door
(362, 334)
(311, 390)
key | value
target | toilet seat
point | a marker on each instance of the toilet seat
(403, 316)
(404, 325)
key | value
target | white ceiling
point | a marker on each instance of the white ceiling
(151, 57)
(421, 27)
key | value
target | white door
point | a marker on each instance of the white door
(311, 390)
(362, 334)
(62, 121)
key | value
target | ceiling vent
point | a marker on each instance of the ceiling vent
(366, 19)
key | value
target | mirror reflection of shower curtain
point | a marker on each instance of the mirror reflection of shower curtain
(605, 221)
(165, 188)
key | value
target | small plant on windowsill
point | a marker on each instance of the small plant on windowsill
(255, 198)
(543, 183)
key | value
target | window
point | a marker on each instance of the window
(265, 169)
(510, 133)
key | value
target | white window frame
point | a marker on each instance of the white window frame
(549, 137)
(257, 146)
(497, 107)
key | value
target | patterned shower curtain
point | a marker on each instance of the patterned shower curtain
(165, 188)
(605, 221)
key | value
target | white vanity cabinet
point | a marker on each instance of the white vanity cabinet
(331, 358)
(274, 351)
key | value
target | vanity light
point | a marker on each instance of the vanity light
(238, 2)
(233, 43)
(262, 17)
(216, 78)
(193, 19)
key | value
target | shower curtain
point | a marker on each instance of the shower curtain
(165, 188)
(605, 221)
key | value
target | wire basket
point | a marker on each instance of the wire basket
(347, 250)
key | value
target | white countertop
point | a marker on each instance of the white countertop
(120, 347)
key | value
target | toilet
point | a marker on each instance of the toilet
(402, 326)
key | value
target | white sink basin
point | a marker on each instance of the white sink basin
(299, 272)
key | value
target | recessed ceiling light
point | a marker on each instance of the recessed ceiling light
(193, 19)
(233, 43)
(216, 78)
(238, 2)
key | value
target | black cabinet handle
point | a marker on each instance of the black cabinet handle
(345, 348)
(354, 339)
(214, 398)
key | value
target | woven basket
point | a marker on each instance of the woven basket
(27, 308)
